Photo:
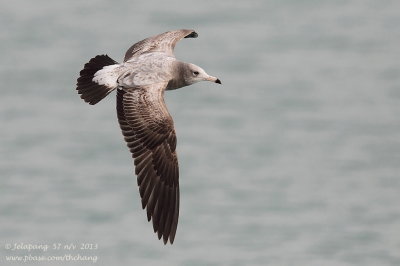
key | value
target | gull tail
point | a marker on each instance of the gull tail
(97, 79)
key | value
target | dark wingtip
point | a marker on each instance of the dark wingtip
(193, 34)
(218, 81)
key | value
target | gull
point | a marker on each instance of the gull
(149, 68)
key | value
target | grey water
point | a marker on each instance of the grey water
(294, 160)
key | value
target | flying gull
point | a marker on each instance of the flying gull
(149, 68)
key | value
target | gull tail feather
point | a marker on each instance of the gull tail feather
(97, 79)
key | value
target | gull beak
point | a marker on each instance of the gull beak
(213, 79)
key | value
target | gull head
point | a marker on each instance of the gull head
(195, 74)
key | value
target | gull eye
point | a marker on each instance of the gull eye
(195, 73)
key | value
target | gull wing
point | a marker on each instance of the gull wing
(164, 42)
(149, 132)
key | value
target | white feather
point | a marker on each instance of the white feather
(107, 76)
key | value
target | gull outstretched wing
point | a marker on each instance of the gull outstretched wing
(164, 42)
(149, 132)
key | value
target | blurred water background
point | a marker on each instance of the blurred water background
(295, 160)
